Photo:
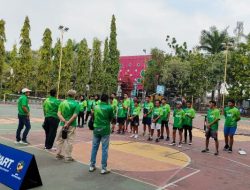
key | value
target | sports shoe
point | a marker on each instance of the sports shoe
(17, 142)
(172, 144)
(216, 153)
(167, 139)
(136, 136)
(92, 168)
(226, 147)
(190, 143)
(25, 142)
(67, 160)
(184, 142)
(161, 137)
(179, 145)
(105, 171)
(59, 157)
(157, 140)
(143, 134)
(150, 139)
(132, 136)
(230, 150)
(205, 150)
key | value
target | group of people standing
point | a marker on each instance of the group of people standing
(106, 112)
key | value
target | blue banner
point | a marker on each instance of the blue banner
(14, 165)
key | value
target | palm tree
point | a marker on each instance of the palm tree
(212, 40)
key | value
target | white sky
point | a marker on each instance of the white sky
(141, 24)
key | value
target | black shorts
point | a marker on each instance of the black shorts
(146, 121)
(121, 120)
(164, 123)
(213, 134)
(179, 129)
(135, 121)
(186, 127)
(113, 121)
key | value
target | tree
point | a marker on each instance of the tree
(97, 68)
(25, 54)
(114, 54)
(45, 66)
(2, 49)
(83, 66)
(212, 41)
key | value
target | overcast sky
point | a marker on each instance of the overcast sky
(141, 24)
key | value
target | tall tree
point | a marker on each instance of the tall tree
(25, 54)
(212, 40)
(83, 66)
(114, 54)
(45, 66)
(97, 68)
(2, 49)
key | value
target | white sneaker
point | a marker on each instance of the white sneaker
(172, 144)
(92, 168)
(136, 136)
(190, 143)
(180, 145)
(17, 142)
(24, 142)
(105, 171)
(132, 136)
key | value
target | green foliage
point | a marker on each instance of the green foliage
(45, 65)
(97, 68)
(83, 66)
(2, 48)
(25, 55)
(114, 54)
(56, 60)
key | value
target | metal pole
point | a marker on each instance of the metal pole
(225, 77)
(60, 66)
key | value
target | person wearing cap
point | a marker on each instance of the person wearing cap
(67, 113)
(103, 114)
(179, 116)
(23, 117)
(51, 121)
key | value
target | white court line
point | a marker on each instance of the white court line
(178, 180)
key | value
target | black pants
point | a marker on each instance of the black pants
(189, 130)
(87, 115)
(81, 117)
(50, 126)
(23, 121)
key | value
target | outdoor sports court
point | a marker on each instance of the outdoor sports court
(136, 164)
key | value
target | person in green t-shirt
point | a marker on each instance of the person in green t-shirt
(165, 118)
(127, 102)
(212, 124)
(103, 115)
(156, 120)
(188, 122)
(148, 107)
(232, 116)
(90, 104)
(23, 117)
(82, 104)
(67, 113)
(51, 121)
(114, 104)
(134, 117)
(179, 116)
(121, 115)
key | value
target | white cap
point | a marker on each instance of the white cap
(24, 90)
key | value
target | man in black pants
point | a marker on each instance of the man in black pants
(50, 125)
(188, 122)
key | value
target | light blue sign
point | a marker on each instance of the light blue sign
(160, 89)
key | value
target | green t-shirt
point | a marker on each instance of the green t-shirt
(212, 115)
(90, 104)
(231, 116)
(179, 116)
(114, 105)
(132, 105)
(127, 105)
(149, 107)
(121, 111)
(103, 114)
(158, 111)
(68, 108)
(136, 111)
(23, 101)
(83, 105)
(50, 107)
(189, 116)
(166, 111)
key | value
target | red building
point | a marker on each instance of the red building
(132, 71)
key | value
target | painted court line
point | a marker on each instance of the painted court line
(178, 180)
